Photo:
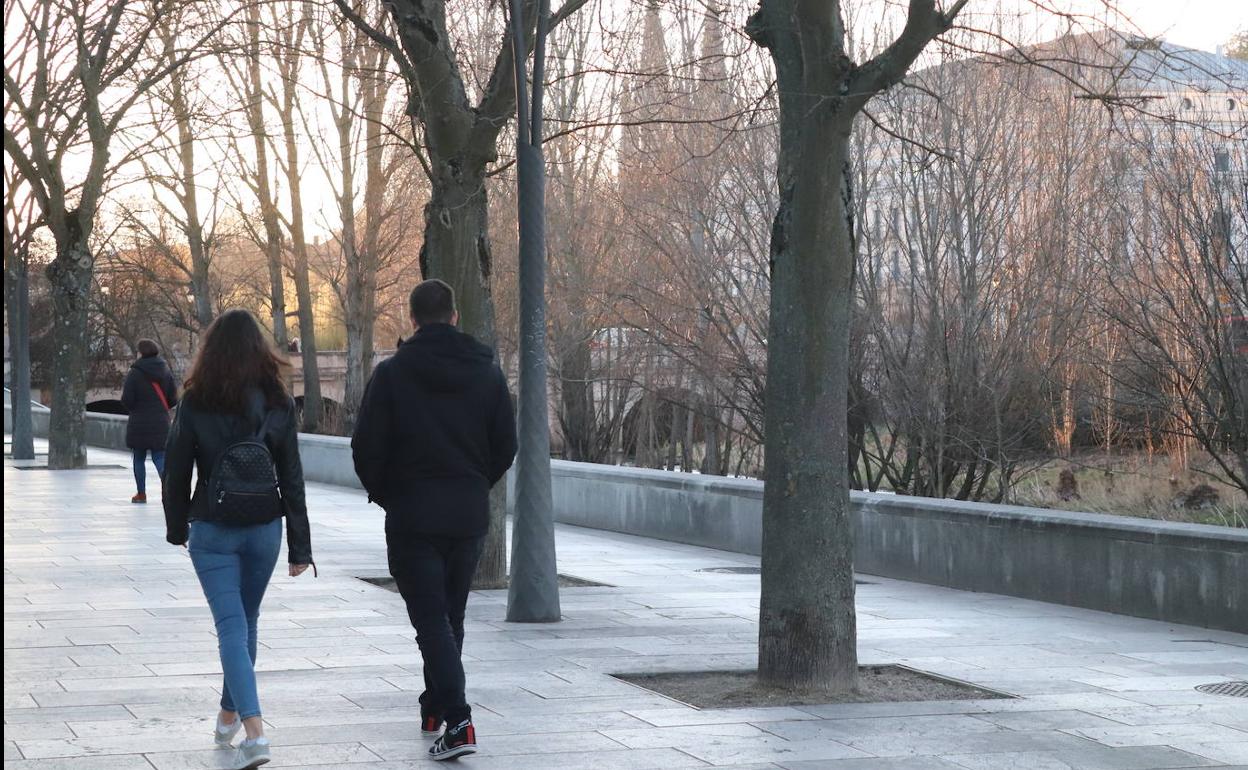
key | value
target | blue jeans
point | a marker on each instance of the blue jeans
(234, 565)
(140, 466)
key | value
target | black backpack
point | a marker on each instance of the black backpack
(243, 483)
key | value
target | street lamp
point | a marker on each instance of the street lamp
(533, 589)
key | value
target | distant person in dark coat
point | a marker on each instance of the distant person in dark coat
(435, 431)
(148, 395)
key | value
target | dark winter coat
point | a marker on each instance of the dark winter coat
(148, 426)
(435, 431)
(198, 438)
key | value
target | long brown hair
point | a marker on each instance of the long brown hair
(234, 357)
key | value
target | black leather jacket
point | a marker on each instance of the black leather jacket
(197, 438)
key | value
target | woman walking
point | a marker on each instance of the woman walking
(148, 394)
(237, 426)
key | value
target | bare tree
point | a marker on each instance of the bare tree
(74, 71)
(246, 75)
(367, 158)
(289, 24)
(171, 168)
(460, 142)
(1179, 293)
(807, 628)
(20, 225)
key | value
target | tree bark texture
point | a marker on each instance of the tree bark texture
(807, 623)
(69, 276)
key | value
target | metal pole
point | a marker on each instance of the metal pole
(533, 590)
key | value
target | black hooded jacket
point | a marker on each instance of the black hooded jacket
(148, 425)
(435, 431)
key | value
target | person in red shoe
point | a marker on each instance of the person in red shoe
(148, 394)
(435, 432)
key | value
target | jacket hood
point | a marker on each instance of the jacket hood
(154, 368)
(444, 359)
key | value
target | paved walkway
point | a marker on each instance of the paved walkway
(110, 660)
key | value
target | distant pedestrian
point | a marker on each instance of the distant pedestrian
(435, 432)
(148, 394)
(237, 428)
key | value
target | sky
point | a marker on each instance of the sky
(1202, 24)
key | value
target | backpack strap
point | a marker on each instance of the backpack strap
(160, 393)
(263, 428)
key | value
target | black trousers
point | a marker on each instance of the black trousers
(434, 576)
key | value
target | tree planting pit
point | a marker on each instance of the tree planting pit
(740, 689)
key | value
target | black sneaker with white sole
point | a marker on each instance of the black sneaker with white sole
(455, 742)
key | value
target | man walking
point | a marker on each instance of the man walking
(435, 431)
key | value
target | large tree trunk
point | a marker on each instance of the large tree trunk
(457, 250)
(70, 278)
(807, 626)
(17, 306)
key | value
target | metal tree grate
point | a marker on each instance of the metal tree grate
(1233, 689)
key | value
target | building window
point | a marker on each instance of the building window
(1231, 104)
(1222, 161)
(1186, 104)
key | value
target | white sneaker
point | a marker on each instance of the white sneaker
(224, 734)
(251, 754)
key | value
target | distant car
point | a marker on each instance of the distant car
(107, 406)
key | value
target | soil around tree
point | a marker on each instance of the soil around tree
(740, 689)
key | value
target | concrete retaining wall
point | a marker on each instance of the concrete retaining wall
(1182, 573)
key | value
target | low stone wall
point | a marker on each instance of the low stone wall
(39, 416)
(1182, 573)
(327, 459)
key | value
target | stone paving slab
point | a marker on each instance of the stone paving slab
(110, 661)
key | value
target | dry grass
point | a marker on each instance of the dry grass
(1134, 486)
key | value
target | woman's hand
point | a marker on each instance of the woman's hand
(298, 569)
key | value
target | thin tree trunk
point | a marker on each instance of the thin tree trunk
(312, 406)
(201, 291)
(17, 306)
(268, 209)
(576, 389)
(361, 294)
